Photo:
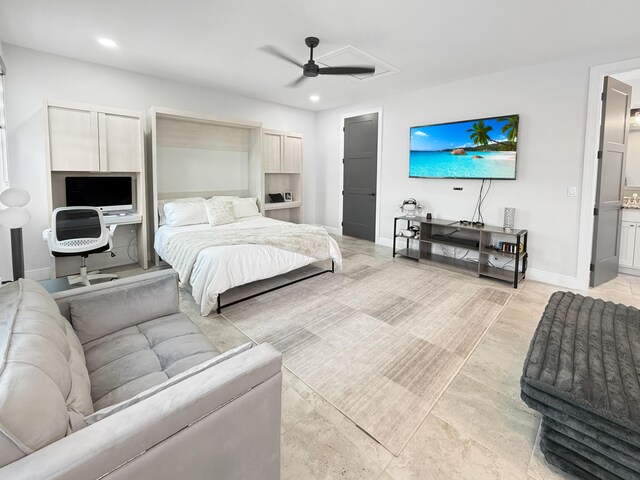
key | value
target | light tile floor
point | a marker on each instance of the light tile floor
(479, 429)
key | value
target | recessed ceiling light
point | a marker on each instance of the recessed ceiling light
(107, 42)
(314, 98)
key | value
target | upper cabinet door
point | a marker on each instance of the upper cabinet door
(73, 140)
(120, 143)
(272, 153)
(292, 158)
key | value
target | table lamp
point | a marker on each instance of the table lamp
(15, 217)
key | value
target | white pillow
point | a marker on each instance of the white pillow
(245, 207)
(219, 211)
(110, 410)
(162, 203)
(185, 213)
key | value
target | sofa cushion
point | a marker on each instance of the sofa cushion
(127, 362)
(44, 383)
(100, 313)
(197, 368)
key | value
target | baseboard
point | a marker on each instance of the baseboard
(553, 278)
(629, 270)
(387, 242)
(332, 230)
(38, 274)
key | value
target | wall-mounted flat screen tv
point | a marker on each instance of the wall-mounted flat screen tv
(482, 148)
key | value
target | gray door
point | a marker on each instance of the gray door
(360, 176)
(612, 154)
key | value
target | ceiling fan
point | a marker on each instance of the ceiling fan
(311, 69)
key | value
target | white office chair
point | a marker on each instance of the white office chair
(79, 231)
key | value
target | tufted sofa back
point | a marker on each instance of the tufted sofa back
(44, 385)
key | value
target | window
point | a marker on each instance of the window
(4, 167)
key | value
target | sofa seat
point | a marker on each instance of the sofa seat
(168, 404)
(127, 362)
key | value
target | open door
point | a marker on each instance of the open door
(612, 152)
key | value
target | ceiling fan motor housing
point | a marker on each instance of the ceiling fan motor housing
(310, 69)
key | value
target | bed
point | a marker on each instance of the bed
(212, 270)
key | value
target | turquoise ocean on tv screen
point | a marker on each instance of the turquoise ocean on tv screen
(444, 164)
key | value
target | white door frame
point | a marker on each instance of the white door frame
(589, 177)
(378, 167)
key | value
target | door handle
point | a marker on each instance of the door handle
(373, 194)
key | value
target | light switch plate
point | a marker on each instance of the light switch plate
(572, 191)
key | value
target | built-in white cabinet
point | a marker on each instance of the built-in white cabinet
(82, 138)
(282, 152)
(630, 242)
(96, 141)
(627, 243)
(282, 167)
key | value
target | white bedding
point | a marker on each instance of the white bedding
(218, 269)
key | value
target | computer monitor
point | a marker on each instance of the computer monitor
(109, 194)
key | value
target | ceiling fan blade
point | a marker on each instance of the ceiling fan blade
(296, 82)
(280, 54)
(345, 70)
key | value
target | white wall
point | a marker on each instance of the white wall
(551, 100)
(5, 245)
(633, 159)
(35, 76)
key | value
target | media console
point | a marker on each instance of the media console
(488, 251)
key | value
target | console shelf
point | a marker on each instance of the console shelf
(463, 247)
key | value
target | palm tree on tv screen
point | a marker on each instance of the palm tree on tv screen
(510, 128)
(480, 133)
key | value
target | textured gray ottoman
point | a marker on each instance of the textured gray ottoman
(582, 373)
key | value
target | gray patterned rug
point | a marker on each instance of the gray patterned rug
(380, 340)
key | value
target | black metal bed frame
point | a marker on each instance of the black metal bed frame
(220, 306)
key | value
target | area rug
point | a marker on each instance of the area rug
(381, 340)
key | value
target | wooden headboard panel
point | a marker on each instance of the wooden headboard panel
(205, 195)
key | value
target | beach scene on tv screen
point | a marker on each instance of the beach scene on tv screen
(483, 148)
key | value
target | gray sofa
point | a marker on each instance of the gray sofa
(113, 381)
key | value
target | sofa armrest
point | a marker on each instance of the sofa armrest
(154, 436)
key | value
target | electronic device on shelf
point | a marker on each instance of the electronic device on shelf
(109, 194)
(462, 241)
(275, 197)
(484, 148)
(469, 222)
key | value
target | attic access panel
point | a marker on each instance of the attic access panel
(352, 56)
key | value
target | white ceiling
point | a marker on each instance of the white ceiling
(216, 43)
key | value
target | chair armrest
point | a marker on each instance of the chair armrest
(116, 443)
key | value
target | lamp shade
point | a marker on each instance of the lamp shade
(15, 197)
(14, 217)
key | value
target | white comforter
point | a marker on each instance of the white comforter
(220, 268)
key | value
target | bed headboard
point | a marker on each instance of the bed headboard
(209, 194)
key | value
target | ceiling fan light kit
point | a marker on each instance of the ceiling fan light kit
(311, 68)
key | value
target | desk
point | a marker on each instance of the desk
(131, 218)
